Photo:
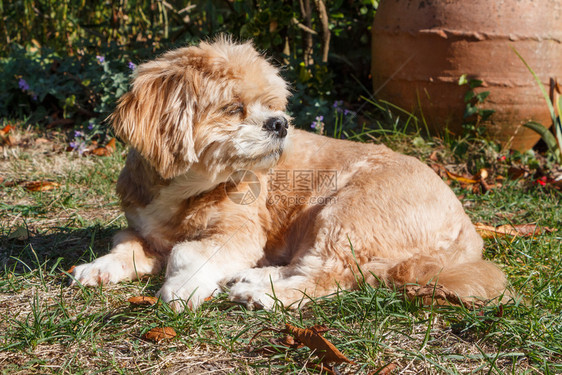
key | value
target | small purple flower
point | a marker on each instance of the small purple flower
(90, 125)
(101, 59)
(338, 106)
(132, 65)
(79, 147)
(317, 122)
(78, 134)
(23, 84)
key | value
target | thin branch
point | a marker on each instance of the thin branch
(307, 36)
(301, 26)
(321, 6)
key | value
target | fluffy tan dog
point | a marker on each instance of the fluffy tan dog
(222, 191)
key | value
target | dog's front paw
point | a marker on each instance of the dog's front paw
(181, 292)
(253, 296)
(104, 270)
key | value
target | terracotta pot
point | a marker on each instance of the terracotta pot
(421, 48)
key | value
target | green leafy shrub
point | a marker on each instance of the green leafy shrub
(52, 46)
(50, 89)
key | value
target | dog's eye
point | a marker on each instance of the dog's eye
(234, 109)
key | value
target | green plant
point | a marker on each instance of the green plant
(554, 143)
(320, 45)
(47, 88)
(473, 147)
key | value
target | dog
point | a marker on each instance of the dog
(221, 190)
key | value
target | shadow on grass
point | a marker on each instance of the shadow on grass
(66, 246)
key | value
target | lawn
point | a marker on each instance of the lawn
(48, 327)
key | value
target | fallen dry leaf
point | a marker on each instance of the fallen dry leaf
(69, 271)
(8, 140)
(476, 182)
(111, 145)
(143, 301)
(40, 185)
(438, 295)
(323, 348)
(520, 230)
(461, 179)
(322, 368)
(159, 334)
(482, 174)
(312, 338)
(101, 151)
(517, 172)
(106, 150)
(433, 156)
(6, 129)
(385, 370)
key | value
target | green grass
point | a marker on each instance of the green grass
(48, 327)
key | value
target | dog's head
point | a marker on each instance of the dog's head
(216, 107)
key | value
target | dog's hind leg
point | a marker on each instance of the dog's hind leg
(129, 259)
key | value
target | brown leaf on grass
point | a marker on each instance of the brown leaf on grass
(515, 173)
(323, 348)
(143, 301)
(482, 174)
(7, 140)
(111, 145)
(69, 271)
(438, 295)
(322, 368)
(311, 337)
(433, 156)
(520, 230)
(321, 329)
(461, 179)
(290, 342)
(101, 151)
(159, 334)
(488, 187)
(476, 182)
(385, 370)
(40, 185)
(6, 129)
(106, 150)
(287, 342)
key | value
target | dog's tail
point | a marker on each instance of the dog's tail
(477, 279)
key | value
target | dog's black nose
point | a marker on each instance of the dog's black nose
(277, 125)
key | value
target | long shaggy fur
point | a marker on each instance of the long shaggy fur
(195, 116)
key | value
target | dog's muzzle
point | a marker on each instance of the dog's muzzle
(277, 126)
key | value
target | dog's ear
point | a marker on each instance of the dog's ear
(156, 118)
